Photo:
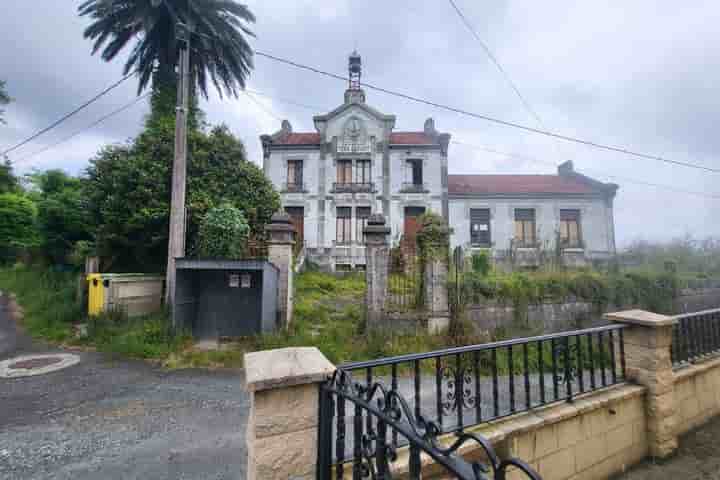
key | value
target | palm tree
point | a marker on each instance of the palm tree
(219, 49)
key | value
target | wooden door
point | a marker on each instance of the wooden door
(411, 226)
(297, 216)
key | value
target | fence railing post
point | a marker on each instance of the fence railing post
(647, 343)
(285, 411)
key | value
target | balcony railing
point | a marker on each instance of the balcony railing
(352, 187)
(293, 187)
(414, 188)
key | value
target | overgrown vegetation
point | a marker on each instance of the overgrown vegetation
(654, 292)
(51, 311)
(223, 233)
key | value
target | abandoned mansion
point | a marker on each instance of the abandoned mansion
(355, 164)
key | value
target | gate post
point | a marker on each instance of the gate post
(377, 254)
(280, 254)
(434, 250)
(282, 427)
(647, 343)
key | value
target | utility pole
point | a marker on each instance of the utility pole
(176, 240)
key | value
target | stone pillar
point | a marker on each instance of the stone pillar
(648, 363)
(435, 279)
(436, 293)
(377, 255)
(280, 254)
(282, 424)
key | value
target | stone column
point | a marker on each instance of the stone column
(377, 255)
(280, 254)
(282, 424)
(648, 363)
(435, 279)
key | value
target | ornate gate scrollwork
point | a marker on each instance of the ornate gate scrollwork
(380, 413)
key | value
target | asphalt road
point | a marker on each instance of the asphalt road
(111, 418)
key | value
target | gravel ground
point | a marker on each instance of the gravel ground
(109, 418)
(698, 458)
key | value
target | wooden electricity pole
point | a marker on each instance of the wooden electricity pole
(176, 240)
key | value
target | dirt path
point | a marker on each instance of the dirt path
(698, 458)
(109, 418)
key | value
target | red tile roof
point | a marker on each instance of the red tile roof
(308, 138)
(519, 184)
(396, 138)
(410, 138)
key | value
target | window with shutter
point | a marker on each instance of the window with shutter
(570, 229)
(343, 223)
(525, 227)
(361, 216)
(480, 227)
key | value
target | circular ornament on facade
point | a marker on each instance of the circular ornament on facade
(29, 365)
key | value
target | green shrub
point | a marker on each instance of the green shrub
(481, 263)
(223, 233)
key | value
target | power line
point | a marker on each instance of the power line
(506, 123)
(494, 59)
(88, 127)
(286, 100)
(590, 170)
(261, 106)
(67, 115)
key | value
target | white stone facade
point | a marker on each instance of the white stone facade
(407, 173)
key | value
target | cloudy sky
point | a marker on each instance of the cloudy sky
(638, 74)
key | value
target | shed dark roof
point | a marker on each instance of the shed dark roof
(516, 184)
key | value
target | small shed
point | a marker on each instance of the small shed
(225, 298)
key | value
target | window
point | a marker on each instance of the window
(343, 222)
(361, 216)
(414, 172)
(294, 174)
(525, 227)
(480, 227)
(570, 228)
(363, 171)
(344, 171)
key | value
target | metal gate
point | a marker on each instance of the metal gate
(404, 282)
(380, 422)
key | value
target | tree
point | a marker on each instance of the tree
(220, 53)
(127, 188)
(17, 224)
(4, 100)
(223, 233)
(8, 181)
(62, 214)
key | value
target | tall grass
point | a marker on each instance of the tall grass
(48, 300)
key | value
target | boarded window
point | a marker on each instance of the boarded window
(294, 173)
(525, 227)
(361, 216)
(343, 223)
(570, 229)
(344, 171)
(480, 227)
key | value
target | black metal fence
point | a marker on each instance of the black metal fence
(381, 415)
(695, 336)
(460, 387)
(404, 282)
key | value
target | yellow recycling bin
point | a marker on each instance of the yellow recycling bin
(96, 293)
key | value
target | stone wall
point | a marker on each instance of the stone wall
(697, 394)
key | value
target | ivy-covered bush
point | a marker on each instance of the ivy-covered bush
(223, 233)
(481, 263)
